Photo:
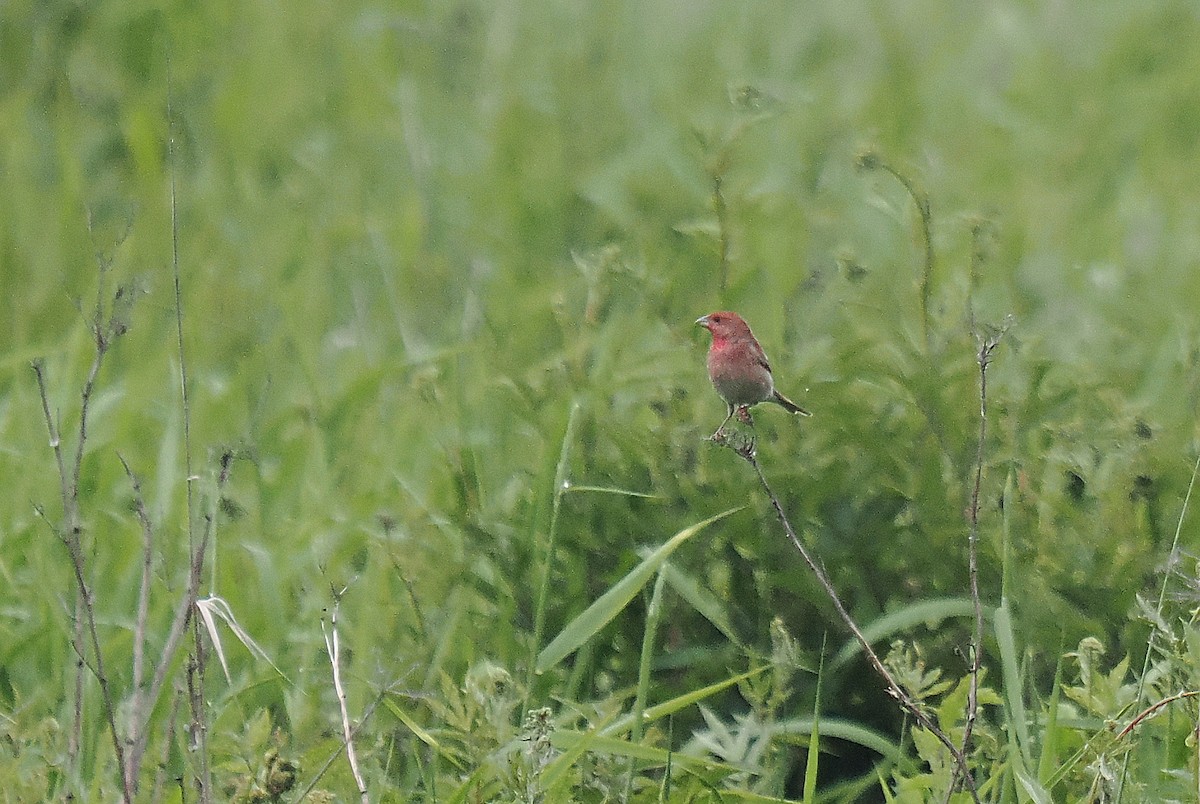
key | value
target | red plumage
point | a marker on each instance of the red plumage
(738, 367)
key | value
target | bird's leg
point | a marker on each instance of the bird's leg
(720, 431)
(745, 443)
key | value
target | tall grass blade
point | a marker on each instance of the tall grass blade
(814, 739)
(1010, 670)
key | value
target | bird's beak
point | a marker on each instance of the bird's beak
(702, 321)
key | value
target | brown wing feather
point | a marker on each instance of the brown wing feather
(756, 351)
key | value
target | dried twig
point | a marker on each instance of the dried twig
(987, 345)
(333, 646)
(1153, 709)
(370, 710)
(199, 729)
(71, 536)
(167, 743)
(745, 447)
(137, 699)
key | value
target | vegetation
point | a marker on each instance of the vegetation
(353, 419)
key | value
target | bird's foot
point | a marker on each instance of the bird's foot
(720, 437)
(744, 444)
(743, 414)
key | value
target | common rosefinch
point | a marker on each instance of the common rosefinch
(739, 369)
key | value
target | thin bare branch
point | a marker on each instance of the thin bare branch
(75, 740)
(333, 647)
(1153, 709)
(746, 449)
(39, 368)
(987, 346)
(167, 743)
(89, 611)
(89, 386)
(71, 536)
(138, 699)
(195, 552)
(370, 710)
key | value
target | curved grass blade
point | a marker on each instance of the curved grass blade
(612, 602)
(659, 711)
(902, 619)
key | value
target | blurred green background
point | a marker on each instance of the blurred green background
(412, 237)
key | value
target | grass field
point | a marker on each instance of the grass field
(428, 273)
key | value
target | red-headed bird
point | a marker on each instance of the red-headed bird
(738, 367)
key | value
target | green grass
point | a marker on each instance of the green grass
(439, 265)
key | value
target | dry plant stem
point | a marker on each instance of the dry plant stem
(137, 700)
(894, 688)
(370, 710)
(986, 347)
(76, 736)
(1151, 710)
(179, 623)
(145, 696)
(71, 538)
(197, 723)
(332, 645)
(195, 552)
(183, 373)
(183, 612)
(168, 742)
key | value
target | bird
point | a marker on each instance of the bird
(739, 369)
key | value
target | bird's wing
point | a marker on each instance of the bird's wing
(760, 357)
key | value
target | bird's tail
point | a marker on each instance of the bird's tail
(788, 405)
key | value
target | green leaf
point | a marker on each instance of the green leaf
(1029, 786)
(612, 602)
(845, 730)
(420, 733)
(1010, 667)
(814, 739)
(596, 742)
(703, 601)
(659, 711)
